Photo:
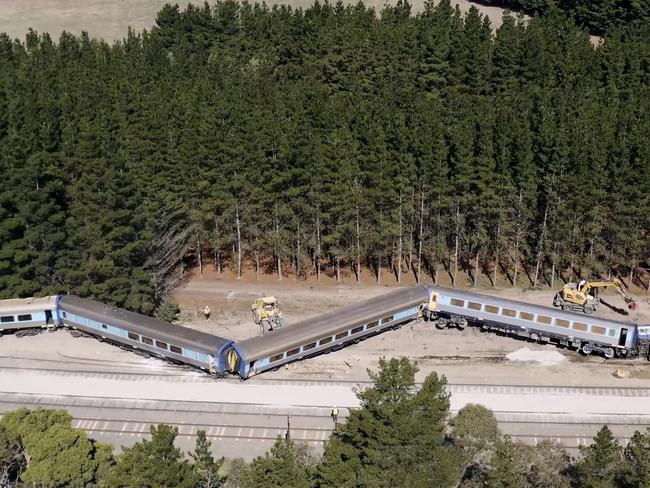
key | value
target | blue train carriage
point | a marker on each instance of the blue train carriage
(134, 331)
(27, 316)
(588, 334)
(329, 331)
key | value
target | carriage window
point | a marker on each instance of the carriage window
(508, 313)
(134, 337)
(612, 332)
(457, 303)
(341, 335)
(562, 323)
(543, 319)
(526, 316)
(176, 349)
(65, 315)
(161, 345)
(474, 306)
(104, 326)
(325, 340)
(596, 329)
(434, 297)
(356, 330)
(277, 357)
(373, 324)
(25, 318)
(387, 319)
(491, 309)
(580, 326)
(293, 352)
(6, 318)
(309, 346)
(147, 340)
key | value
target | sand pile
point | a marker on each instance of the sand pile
(545, 358)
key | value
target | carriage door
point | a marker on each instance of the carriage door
(621, 340)
(48, 318)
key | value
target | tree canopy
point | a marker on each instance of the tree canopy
(334, 139)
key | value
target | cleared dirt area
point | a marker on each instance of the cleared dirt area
(110, 19)
(470, 356)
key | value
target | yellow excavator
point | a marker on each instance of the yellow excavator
(583, 296)
(266, 314)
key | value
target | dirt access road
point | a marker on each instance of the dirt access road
(110, 19)
(470, 356)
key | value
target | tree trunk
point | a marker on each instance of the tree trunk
(496, 257)
(257, 264)
(400, 244)
(540, 246)
(476, 269)
(318, 249)
(358, 246)
(199, 255)
(420, 235)
(238, 223)
(453, 280)
(278, 257)
(338, 269)
(378, 270)
(218, 260)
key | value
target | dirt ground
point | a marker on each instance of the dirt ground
(110, 19)
(470, 356)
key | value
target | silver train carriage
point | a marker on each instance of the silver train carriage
(328, 331)
(544, 324)
(27, 315)
(158, 338)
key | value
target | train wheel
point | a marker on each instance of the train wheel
(608, 352)
(441, 324)
(587, 349)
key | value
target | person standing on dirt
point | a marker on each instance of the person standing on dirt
(206, 312)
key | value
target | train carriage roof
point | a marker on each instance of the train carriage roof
(27, 305)
(330, 323)
(143, 325)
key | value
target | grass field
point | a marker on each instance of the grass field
(110, 19)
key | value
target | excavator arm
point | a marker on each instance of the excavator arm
(616, 283)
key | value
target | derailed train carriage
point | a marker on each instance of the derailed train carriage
(157, 338)
(329, 331)
(120, 327)
(587, 334)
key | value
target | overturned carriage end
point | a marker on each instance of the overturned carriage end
(135, 331)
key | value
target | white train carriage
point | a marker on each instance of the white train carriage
(543, 324)
(27, 315)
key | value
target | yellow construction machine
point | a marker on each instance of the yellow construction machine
(266, 314)
(583, 296)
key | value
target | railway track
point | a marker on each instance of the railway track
(248, 428)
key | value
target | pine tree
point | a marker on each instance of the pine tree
(205, 467)
(601, 461)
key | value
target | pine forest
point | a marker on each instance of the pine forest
(335, 139)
